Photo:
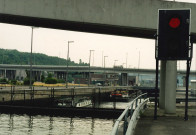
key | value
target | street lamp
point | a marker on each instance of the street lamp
(138, 67)
(89, 68)
(104, 68)
(123, 64)
(126, 59)
(67, 63)
(114, 70)
(115, 62)
(30, 77)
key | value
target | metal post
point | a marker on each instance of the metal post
(94, 98)
(187, 87)
(125, 123)
(67, 63)
(114, 103)
(104, 70)
(33, 95)
(156, 89)
(131, 111)
(72, 97)
(30, 77)
(136, 103)
(52, 93)
(126, 59)
(11, 95)
(99, 97)
(24, 96)
(89, 76)
(138, 68)
(114, 71)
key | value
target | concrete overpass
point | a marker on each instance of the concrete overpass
(134, 18)
(82, 69)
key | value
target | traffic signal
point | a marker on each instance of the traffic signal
(174, 35)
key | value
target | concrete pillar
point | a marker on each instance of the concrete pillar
(170, 86)
(162, 85)
(124, 78)
(5, 74)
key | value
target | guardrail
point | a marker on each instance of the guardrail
(130, 113)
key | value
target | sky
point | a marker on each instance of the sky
(138, 52)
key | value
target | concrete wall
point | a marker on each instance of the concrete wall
(121, 17)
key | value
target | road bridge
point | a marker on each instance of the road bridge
(83, 69)
(117, 17)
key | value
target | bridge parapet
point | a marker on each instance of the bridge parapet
(131, 112)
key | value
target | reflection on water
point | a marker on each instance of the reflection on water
(12, 124)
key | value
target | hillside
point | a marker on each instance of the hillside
(23, 58)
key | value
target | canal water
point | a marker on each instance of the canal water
(13, 124)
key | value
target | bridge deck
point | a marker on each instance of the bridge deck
(167, 124)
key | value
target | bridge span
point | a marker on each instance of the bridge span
(118, 17)
(82, 69)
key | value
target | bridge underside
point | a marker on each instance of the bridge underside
(131, 18)
(78, 26)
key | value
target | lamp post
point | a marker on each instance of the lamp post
(123, 64)
(115, 62)
(89, 68)
(114, 70)
(138, 66)
(67, 63)
(126, 59)
(104, 69)
(30, 77)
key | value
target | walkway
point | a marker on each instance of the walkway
(167, 124)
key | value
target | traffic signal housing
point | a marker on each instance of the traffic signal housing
(173, 35)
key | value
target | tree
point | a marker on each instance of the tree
(50, 79)
(43, 78)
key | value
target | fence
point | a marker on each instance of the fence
(130, 115)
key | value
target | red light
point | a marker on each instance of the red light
(174, 22)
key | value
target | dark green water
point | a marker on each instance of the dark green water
(12, 124)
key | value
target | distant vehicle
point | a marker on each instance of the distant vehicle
(120, 93)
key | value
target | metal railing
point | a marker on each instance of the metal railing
(130, 113)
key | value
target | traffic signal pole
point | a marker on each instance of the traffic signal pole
(187, 88)
(156, 85)
(156, 89)
(173, 43)
(187, 82)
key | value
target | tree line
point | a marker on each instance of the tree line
(23, 58)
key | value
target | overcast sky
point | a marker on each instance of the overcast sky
(54, 43)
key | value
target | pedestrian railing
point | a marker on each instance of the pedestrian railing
(130, 115)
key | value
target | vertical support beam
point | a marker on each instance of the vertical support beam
(99, 98)
(5, 74)
(24, 96)
(162, 85)
(156, 89)
(187, 88)
(124, 79)
(170, 86)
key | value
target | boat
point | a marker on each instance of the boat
(120, 93)
(84, 102)
(77, 102)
